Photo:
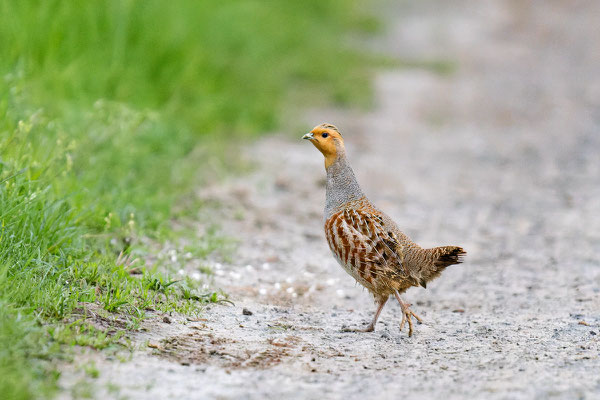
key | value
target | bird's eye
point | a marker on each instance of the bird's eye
(324, 135)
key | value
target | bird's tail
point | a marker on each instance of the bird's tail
(441, 257)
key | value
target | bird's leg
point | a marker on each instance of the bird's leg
(407, 314)
(371, 327)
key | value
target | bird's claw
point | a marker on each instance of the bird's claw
(407, 315)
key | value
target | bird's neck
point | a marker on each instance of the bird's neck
(342, 185)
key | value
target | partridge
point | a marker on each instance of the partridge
(366, 242)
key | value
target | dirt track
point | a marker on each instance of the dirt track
(500, 157)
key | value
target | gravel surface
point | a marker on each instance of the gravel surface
(502, 157)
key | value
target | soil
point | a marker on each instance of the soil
(499, 156)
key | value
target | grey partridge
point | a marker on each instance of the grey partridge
(366, 242)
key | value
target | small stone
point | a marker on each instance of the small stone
(593, 333)
(245, 311)
(166, 320)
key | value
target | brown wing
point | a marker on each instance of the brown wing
(360, 241)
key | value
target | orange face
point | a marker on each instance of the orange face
(327, 139)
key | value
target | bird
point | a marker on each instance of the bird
(366, 242)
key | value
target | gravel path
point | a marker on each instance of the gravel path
(500, 157)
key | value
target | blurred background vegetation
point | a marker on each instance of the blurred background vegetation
(110, 111)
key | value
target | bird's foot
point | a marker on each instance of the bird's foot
(407, 315)
(368, 328)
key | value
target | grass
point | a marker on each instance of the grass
(111, 112)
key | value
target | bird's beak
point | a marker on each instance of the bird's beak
(309, 136)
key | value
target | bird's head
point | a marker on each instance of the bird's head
(328, 140)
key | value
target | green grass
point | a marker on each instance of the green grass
(110, 113)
